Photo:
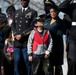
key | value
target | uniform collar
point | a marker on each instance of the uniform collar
(24, 9)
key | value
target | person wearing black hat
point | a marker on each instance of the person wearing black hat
(57, 29)
(39, 47)
(69, 7)
(47, 5)
(22, 24)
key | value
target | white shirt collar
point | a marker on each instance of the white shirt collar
(24, 8)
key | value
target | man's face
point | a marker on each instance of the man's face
(24, 3)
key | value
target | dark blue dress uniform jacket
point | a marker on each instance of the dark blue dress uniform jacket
(22, 25)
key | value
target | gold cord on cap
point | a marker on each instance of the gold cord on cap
(48, 2)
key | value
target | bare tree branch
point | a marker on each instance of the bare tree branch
(7, 1)
(36, 5)
(58, 1)
(16, 2)
(12, 2)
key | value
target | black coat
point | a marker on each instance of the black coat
(57, 29)
(70, 9)
(22, 24)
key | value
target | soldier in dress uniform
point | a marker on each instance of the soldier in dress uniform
(69, 7)
(22, 25)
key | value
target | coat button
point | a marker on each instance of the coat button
(19, 25)
(26, 21)
(20, 21)
(20, 17)
(19, 29)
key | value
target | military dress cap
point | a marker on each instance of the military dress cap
(48, 2)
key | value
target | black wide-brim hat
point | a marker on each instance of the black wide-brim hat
(48, 2)
(38, 19)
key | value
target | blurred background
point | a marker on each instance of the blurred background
(37, 5)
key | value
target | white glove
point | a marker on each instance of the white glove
(47, 52)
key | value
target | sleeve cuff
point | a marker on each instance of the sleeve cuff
(47, 52)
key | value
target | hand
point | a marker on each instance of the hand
(46, 56)
(30, 58)
(47, 52)
(18, 37)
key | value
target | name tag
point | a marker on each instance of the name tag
(73, 23)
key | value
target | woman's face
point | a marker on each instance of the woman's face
(53, 13)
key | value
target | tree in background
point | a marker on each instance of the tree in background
(35, 4)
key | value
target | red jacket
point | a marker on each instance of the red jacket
(38, 39)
